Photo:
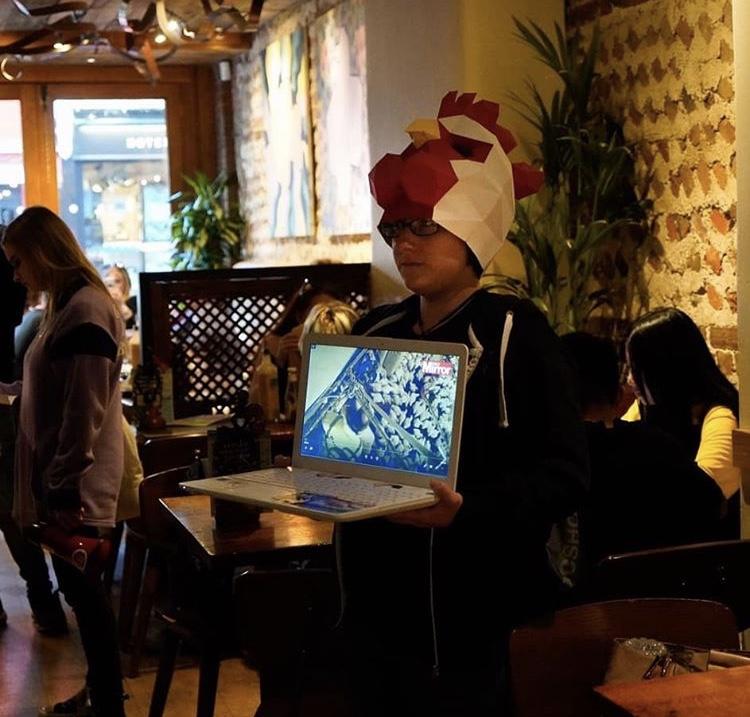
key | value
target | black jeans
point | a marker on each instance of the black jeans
(96, 622)
(30, 560)
(28, 556)
(386, 680)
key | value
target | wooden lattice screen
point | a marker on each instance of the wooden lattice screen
(207, 325)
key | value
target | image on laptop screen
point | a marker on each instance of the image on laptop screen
(378, 407)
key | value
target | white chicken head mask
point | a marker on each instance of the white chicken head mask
(456, 172)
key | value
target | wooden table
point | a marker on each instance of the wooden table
(279, 537)
(717, 693)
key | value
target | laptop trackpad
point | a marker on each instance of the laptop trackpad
(320, 502)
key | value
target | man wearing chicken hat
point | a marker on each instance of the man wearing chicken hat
(432, 594)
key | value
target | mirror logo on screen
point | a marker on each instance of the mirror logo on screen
(438, 367)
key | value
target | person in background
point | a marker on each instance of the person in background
(682, 391)
(431, 595)
(11, 313)
(283, 340)
(329, 317)
(46, 610)
(69, 451)
(29, 326)
(646, 489)
(117, 281)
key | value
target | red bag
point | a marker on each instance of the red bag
(88, 554)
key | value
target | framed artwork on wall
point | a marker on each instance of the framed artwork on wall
(302, 145)
(277, 152)
(339, 116)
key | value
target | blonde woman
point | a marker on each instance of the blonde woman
(329, 317)
(117, 281)
(69, 452)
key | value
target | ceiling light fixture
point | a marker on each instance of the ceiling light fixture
(64, 30)
(6, 73)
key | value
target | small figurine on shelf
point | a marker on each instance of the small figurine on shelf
(153, 420)
(147, 395)
(245, 445)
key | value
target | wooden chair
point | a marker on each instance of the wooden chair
(555, 662)
(282, 621)
(157, 455)
(155, 542)
(161, 454)
(708, 571)
(284, 625)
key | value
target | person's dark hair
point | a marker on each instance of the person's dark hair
(474, 263)
(597, 368)
(673, 368)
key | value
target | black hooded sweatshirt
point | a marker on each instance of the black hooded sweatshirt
(447, 596)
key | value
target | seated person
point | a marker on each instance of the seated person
(283, 341)
(329, 317)
(681, 390)
(117, 281)
(646, 489)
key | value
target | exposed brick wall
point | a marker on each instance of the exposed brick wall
(667, 71)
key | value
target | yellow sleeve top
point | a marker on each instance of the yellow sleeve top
(715, 450)
(633, 413)
(714, 455)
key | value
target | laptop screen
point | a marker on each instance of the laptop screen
(386, 408)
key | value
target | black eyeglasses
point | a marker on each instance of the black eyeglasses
(419, 227)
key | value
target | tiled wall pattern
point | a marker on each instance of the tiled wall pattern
(667, 70)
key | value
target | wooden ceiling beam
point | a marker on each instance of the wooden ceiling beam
(229, 43)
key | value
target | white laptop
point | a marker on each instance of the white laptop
(377, 420)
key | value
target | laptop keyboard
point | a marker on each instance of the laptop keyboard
(357, 490)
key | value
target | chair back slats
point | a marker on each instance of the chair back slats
(556, 662)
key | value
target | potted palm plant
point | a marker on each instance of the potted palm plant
(582, 237)
(206, 233)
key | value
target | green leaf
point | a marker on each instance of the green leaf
(205, 231)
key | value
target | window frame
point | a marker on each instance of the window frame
(191, 117)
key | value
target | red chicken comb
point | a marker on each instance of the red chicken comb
(485, 112)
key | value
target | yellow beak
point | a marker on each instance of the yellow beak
(423, 130)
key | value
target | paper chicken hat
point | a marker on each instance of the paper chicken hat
(456, 172)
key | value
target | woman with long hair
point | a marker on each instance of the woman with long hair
(681, 390)
(69, 451)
